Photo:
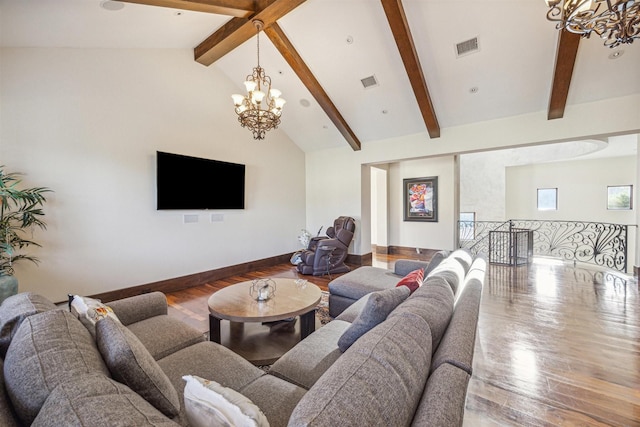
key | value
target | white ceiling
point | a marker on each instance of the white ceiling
(512, 71)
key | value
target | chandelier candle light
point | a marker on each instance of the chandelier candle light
(615, 21)
(261, 108)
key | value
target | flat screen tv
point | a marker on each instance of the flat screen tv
(185, 182)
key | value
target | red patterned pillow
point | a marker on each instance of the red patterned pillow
(412, 280)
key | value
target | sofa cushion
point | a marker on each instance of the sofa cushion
(402, 267)
(95, 400)
(89, 311)
(134, 309)
(131, 364)
(8, 418)
(434, 303)
(351, 312)
(464, 257)
(450, 270)
(276, 397)
(435, 261)
(378, 306)
(443, 400)
(207, 403)
(14, 310)
(379, 381)
(48, 349)
(457, 345)
(223, 366)
(310, 358)
(363, 281)
(412, 280)
(175, 335)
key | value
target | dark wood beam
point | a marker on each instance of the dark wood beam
(401, 33)
(237, 8)
(565, 60)
(239, 30)
(290, 54)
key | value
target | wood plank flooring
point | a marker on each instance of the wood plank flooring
(556, 345)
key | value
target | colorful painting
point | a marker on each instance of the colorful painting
(421, 199)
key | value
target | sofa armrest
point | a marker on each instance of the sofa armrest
(406, 266)
(140, 307)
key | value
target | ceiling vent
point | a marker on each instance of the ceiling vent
(370, 81)
(467, 47)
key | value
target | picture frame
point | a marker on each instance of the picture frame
(620, 197)
(421, 199)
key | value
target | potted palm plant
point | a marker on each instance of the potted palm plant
(20, 212)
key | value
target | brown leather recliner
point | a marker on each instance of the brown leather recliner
(326, 255)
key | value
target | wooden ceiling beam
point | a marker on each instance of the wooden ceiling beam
(566, 53)
(237, 8)
(402, 34)
(290, 54)
(239, 30)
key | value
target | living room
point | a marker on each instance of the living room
(85, 104)
(86, 120)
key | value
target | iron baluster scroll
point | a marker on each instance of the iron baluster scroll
(602, 244)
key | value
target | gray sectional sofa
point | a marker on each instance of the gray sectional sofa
(412, 368)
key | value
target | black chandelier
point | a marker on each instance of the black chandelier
(615, 21)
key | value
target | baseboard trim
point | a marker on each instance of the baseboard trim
(636, 271)
(382, 250)
(365, 259)
(415, 253)
(191, 280)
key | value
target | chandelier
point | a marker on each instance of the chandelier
(615, 21)
(260, 109)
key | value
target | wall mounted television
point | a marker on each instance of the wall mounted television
(184, 182)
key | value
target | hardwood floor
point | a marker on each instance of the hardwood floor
(556, 345)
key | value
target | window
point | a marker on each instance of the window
(467, 226)
(547, 199)
(619, 197)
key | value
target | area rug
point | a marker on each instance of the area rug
(322, 311)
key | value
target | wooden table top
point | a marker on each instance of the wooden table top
(234, 302)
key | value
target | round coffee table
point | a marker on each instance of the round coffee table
(246, 334)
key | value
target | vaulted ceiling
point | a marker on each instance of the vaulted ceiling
(318, 51)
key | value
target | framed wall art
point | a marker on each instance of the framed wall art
(421, 199)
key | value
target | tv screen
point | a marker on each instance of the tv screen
(185, 182)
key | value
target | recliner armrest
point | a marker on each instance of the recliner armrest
(140, 307)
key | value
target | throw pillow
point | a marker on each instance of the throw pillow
(412, 280)
(89, 311)
(132, 364)
(209, 404)
(375, 311)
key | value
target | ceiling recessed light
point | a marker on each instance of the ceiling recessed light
(325, 127)
(112, 5)
(473, 89)
(385, 111)
(178, 13)
(349, 40)
(305, 102)
(617, 54)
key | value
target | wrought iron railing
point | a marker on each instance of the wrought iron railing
(596, 243)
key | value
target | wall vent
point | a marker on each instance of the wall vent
(370, 81)
(467, 47)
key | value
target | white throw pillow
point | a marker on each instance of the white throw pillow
(209, 404)
(90, 311)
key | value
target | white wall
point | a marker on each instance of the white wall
(379, 206)
(582, 189)
(430, 235)
(87, 123)
(334, 183)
